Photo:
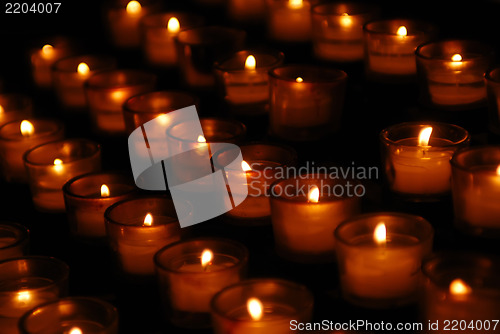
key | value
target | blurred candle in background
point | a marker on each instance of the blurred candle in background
(289, 20)
(42, 60)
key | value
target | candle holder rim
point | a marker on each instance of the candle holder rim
(68, 192)
(148, 23)
(242, 129)
(366, 8)
(24, 233)
(493, 75)
(144, 76)
(59, 128)
(227, 31)
(278, 55)
(96, 149)
(253, 281)
(109, 220)
(109, 61)
(427, 27)
(67, 300)
(25, 100)
(179, 93)
(241, 262)
(385, 133)
(328, 199)
(488, 50)
(458, 165)
(340, 75)
(428, 235)
(62, 265)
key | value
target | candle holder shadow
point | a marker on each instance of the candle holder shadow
(14, 240)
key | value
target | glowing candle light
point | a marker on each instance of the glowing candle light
(173, 25)
(75, 330)
(424, 136)
(345, 20)
(402, 31)
(27, 129)
(245, 166)
(83, 69)
(313, 196)
(134, 7)
(58, 166)
(255, 309)
(380, 234)
(105, 191)
(250, 63)
(459, 288)
(206, 258)
(299, 79)
(295, 4)
(148, 220)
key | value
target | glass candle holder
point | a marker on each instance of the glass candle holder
(87, 196)
(244, 80)
(306, 101)
(476, 189)
(43, 59)
(276, 303)
(379, 257)
(52, 164)
(451, 73)
(18, 137)
(306, 210)
(15, 107)
(137, 228)
(337, 30)
(142, 108)
(107, 91)
(190, 273)
(390, 48)
(247, 11)
(493, 95)
(199, 48)
(124, 18)
(159, 32)
(28, 282)
(14, 240)
(71, 315)
(417, 161)
(462, 290)
(266, 162)
(289, 21)
(70, 74)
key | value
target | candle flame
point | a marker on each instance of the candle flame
(117, 95)
(27, 129)
(498, 170)
(173, 25)
(83, 69)
(47, 50)
(1, 109)
(313, 196)
(201, 139)
(246, 167)
(250, 63)
(75, 330)
(58, 165)
(23, 296)
(459, 288)
(402, 31)
(134, 7)
(424, 136)
(206, 258)
(345, 20)
(299, 79)
(104, 191)
(295, 4)
(255, 309)
(148, 220)
(380, 234)
(456, 57)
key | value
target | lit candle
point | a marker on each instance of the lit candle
(476, 189)
(390, 47)
(137, 228)
(43, 59)
(304, 222)
(87, 196)
(306, 101)
(379, 258)
(245, 80)
(261, 306)
(70, 74)
(13, 240)
(18, 137)
(452, 73)
(52, 164)
(338, 30)
(14, 107)
(192, 272)
(419, 166)
(290, 20)
(160, 31)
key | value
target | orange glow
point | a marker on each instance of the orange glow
(402, 31)
(345, 20)
(424, 136)
(104, 191)
(498, 170)
(47, 50)
(83, 69)
(313, 196)
(206, 258)
(459, 288)
(173, 25)
(148, 220)
(245, 166)
(456, 57)
(75, 330)
(295, 4)
(1, 109)
(250, 63)
(24, 296)
(201, 139)
(380, 234)
(58, 166)
(134, 7)
(456, 61)
(255, 309)
(27, 129)
(299, 79)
